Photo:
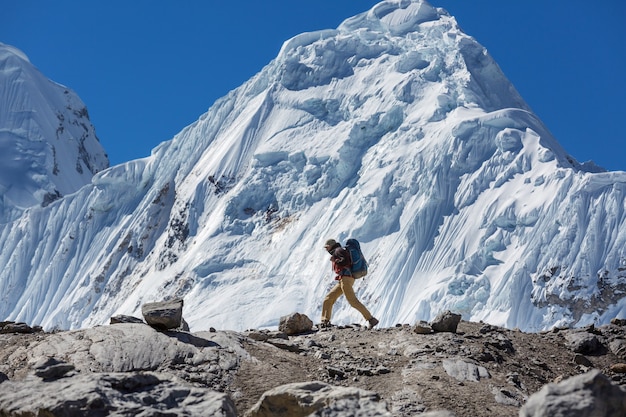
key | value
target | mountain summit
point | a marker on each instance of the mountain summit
(397, 129)
(48, 147)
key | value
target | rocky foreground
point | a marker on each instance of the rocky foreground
(460, 369)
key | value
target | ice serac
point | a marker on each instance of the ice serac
(395, 128)
(48, 147)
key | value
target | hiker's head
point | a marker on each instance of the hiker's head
(330, 244)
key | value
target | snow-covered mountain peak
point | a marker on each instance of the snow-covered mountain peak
(397, 129)
(8, 52)
(48, 147)
(394, 18)
(397, 17)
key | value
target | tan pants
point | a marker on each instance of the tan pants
(343, 287)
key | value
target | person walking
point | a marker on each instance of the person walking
(340, 259)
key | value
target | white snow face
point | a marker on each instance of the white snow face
(396, 129)
(48, 147)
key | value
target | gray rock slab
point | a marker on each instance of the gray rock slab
(99, 394)
(130, 347)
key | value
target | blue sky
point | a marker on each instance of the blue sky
(146, 68)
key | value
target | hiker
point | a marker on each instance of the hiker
(340, 260)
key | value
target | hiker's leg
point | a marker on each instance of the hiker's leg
(348, 291)
(329, 301)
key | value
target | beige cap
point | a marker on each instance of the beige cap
(330, 243)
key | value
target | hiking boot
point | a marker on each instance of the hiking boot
(325, 324)
(373, 322)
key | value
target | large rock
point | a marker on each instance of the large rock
(100, 394)
(164, 315)
(295, 323)
(583, 342)
(305, 398)
(446, 322)
(588, 395)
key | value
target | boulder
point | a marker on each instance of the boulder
(164, 315)
(295, 323)
(446, 322)
(587, 395)
(582, 342)
(305, 398)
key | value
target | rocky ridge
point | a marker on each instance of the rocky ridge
(457, 368)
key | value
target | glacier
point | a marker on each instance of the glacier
(395, 128)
